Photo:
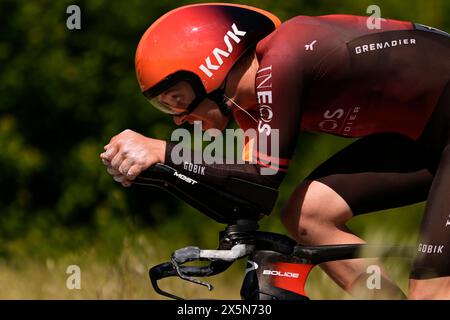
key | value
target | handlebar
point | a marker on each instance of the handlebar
(220, 261)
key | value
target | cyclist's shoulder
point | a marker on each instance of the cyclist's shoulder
(295, 32)
(300, 41)
(331, 32)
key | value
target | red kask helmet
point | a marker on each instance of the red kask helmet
(198, 43)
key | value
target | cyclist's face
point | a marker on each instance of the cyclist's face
(178, 97)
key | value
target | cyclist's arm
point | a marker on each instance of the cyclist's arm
(217, 174)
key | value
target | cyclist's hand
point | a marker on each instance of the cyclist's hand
(129, 153)
(117, 176)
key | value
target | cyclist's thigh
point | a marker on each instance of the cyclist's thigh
(377, 172)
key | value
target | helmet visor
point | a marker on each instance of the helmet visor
(178, 94)
(170, 105)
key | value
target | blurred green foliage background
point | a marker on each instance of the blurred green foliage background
(64, 94)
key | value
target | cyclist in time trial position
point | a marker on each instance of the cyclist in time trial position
(387, 86)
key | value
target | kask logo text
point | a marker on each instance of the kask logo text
(208, 68)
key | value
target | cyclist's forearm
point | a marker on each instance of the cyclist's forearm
(217, 174)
